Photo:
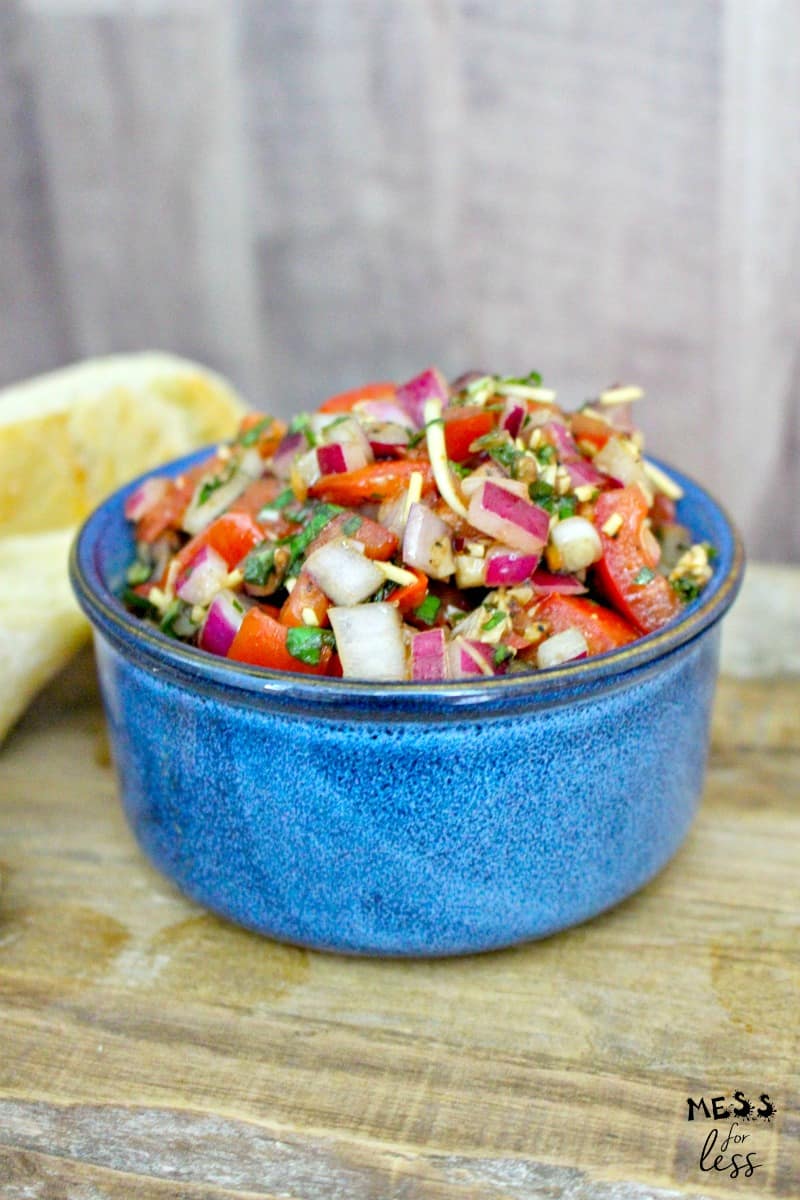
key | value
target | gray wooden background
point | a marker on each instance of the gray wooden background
(306, 193)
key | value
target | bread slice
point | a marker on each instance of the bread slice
(67, 439)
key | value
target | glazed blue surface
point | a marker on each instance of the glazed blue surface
(405, 819)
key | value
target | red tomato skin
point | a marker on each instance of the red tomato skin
(411, 595)
(168, 512)
(603, 629)
(377, 481)
(233, 535)
(261, 641)
(648, 606)
(346, 401)
(378, 541)
(462, 425)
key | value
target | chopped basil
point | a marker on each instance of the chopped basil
(502, 654)
(458, 469)
(138, 603)
(299, 542)
(508, 456)
(711, 552)
(302, 424)
(566, 506)
(251, 435)
(428, 610)
(166, 625)
(259, 564)
(210, 486)
(686, 587)
(305, 643)
(352, 525)
(386, 590)
(644, 575)
(494, 620)
(532, 379)
(138, 572)
(545, 453)
(545, 495)
(286, 497)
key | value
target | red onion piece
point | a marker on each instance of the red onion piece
(388, 439)
(509, 567)
(582, 473)
(546, 582)
(383, 410)
(427, 543)
(340, 456)
(514, 521)
(283, 458)
(411, 396)
(222, 623)
(468, 377)
(513, 415)
(146, 496)
(563, 440)
(202, 577)
(465, 656)
(429, 655)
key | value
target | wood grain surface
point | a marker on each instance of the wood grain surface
(148, 1049)
(306, 193)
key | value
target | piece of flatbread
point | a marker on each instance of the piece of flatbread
(67, 440)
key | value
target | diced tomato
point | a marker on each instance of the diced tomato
(346, 401)
(587, 428)
(663, 511)
(462, 426)
(233, 535)
(258, 494)
(269, 437)
(261, 640)
(306, 594)
(602, 628)
(627, 555)
(377, 540)
(377, 481)
(410, 595)
(168, 512)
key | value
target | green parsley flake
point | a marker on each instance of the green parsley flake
(545, 454)
(138, 572)
(502, 654)
(494, 620)
(305, 643)
(643, 576)
(259, 564)
(251, 436)
(352, 525)
(428, 611)
(687, 588)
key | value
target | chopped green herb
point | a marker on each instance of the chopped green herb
(299, 543)
(566, 506)
(711, 552)
(644, 575)
(166, 625)
(259, 564)
(532, 379)
(458, 469)
(251, 435)
(428, 611)
(385, 590)
(138, 572)
(305, 643)
(541, 493)
(138, 603)
(211, 485)
(302, 424)
(285, 498)
(545, 453)
(352, 525)
(502, 654)
(544, 494)
(494, 620)
(686, 587)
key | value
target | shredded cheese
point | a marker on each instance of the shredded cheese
(662, 481)
(395, 574)
(613, 525)
(309, 617)
(620, 395)
(413, 493)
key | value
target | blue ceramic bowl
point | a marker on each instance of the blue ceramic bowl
(407, 819)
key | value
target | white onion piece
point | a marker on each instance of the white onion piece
(345, 575)
(202, 577)
(201, 512)
(383, 411)
(578, 543)
(337, 457)
(369, 641)
(470, 570)
(149, 493)
(618, 459)
(348, 431)
(429, 656)
(561, 648)
(427, 543)
(505, 515)
(392, 514)
(221, 623)
(387, 438)
(509, 567)
(306, 467)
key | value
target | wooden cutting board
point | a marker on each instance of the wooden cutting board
(148, 1049)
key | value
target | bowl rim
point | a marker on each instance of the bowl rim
(109, 616)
